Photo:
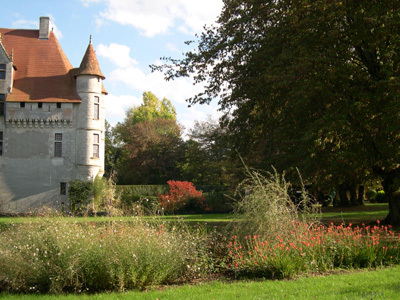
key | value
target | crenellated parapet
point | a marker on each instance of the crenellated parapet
(39, 123)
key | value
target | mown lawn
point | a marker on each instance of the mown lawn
(377, 284)
(356, 215)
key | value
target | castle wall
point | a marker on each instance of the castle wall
(31, 174)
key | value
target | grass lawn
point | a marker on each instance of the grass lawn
(378, 284)
(356, 215)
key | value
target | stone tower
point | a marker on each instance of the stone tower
(90, 117)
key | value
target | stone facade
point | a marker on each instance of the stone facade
(51, 119)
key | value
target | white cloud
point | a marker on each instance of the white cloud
(117, 54)
(155, 17)
(25, 24)
(133, 77)
(54, 28)
(172, 47)
(116, 106)
(129, 73)
(88, 2)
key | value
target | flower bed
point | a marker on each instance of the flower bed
(313, 249)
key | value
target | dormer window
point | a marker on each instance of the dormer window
(2, 71)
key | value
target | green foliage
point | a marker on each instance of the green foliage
(219, 201)
(152, 108)
(305, 84)
(99, 187)
(207, 155)
(80, 194)
(113, 151)
(143, 190)
(380, 197)
(370, 194)
(151, 143)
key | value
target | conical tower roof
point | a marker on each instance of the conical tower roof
(89, 64)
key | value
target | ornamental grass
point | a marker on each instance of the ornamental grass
(57, 256)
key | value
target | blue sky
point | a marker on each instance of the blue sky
(128, 36)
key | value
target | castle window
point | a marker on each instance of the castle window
(96, 146)
(58, 145)
(58, 104)
(63, 188)
(40, 105)
(2, 71)
(96, 111)
(22, 104)
(1, 143)
(2, 104)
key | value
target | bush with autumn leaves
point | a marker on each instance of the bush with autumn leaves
(182, 197)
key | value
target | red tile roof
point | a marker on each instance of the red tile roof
(44, 73)
(89, 64)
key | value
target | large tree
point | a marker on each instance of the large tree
(151, 142)
(308, 84)
(207, 155)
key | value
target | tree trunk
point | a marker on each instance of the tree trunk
(353, 194)
(360, 199)
(390, 183)
(343, 200)
(335, 200)
(393, 216)
(320, 198)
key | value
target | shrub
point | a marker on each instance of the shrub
(80, 194)
(380, 197)
(143, 190)
(133, 204)
(219, 201)
(181, 197)
(371, 194)
(57, 256)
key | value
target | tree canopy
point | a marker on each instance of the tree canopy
(151, 108)
(151, 143)
(307, 84)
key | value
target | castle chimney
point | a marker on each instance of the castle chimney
(44, 28)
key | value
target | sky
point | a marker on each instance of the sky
(128, 36)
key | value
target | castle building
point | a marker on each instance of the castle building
(51, 119)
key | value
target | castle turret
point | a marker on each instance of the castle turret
(90, 117)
